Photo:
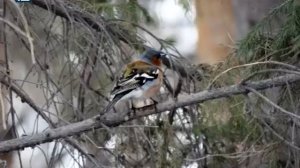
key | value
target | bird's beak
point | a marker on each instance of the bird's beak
(162, 54)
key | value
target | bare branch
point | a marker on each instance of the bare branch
(78, 16)
(272, 103)
(251, 64)
(115, 119)
(24, 97)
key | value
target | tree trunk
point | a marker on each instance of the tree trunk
(222, 22)
(216, 27)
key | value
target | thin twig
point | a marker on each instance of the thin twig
(24, 97)
(71, 13)
(272, 103)
(268, 70)
(279, 136)
(251, 64)
(234, 155)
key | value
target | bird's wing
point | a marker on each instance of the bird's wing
(133, 80)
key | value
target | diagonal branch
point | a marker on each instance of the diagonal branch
(115, 119)
(24, 97)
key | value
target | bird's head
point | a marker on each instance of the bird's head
(152, 56)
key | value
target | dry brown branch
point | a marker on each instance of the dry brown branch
(115, 119)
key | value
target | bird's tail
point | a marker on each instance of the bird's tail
(111, 104)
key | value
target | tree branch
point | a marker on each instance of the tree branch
(114, 119)
(25, 98)
(72, 13)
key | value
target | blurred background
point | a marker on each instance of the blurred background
(64, 55)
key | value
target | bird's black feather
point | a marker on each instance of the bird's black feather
(128, 83)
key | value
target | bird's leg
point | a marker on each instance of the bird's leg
(133, 109)
(128, 103)
(154, 103)
(114, 109)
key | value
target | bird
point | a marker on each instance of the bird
(141, 79)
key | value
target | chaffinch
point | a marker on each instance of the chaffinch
(141, 79)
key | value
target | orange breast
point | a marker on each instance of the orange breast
(156, 61)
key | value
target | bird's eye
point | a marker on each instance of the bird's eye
(133, 70)
(157, 56)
